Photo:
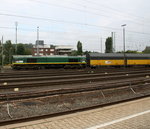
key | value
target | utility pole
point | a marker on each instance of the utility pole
(16, 24)
(112, 36)
(114, 42)
(101, 45)
(124, 45)
(10, 54)
(2, 55)
(37, 43)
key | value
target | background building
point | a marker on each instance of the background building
(63, 49)
(50, 50)
(44, 50)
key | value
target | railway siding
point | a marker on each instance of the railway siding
(68, 102)
(67, 93)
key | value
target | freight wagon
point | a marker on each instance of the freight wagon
(117, 59)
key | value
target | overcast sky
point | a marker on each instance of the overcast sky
(64, 22)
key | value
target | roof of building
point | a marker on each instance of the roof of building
(41, 46)
(64, 47)
(30, 56)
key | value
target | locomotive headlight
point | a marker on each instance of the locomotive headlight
(19, 61)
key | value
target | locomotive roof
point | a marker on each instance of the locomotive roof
(30, 56)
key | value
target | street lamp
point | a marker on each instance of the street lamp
(16, 27)
(124, 47)
(37, 44)
(2, 53)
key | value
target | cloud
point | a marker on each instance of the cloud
(109, 13)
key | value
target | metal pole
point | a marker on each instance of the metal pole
(124, 45)
(16, 24)
(2, 54)
(38, 41)
(112, 36)
(124, 49)
(10, 54)
(101, 44)
(114, 41)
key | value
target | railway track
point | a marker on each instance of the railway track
(72, 75)
(20, 74)
(37, 117)
(73, 89)
(52, 95)
(71, 80)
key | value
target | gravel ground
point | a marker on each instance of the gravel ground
(60, 103)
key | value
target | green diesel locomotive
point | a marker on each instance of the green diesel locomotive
(37, 62)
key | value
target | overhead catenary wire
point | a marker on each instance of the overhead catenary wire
(85, 24)
(116, 10)
(68, 22)
(82, 36)
(95, 38)
(85, 11)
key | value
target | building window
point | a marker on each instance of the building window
(41, 54)
(51, 50)
(51, 54)
(41, 50)
(46, 50)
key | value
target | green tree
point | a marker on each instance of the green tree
(8, 52)
(109, 45)
(74, 53)
(52, 46)
(0, 53)
(130, 51)
(86, 52)
(20, 49)
(147, 50)
(28, 49)
(79, 48)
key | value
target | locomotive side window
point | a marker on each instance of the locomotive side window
(73, 60)
(31, 60)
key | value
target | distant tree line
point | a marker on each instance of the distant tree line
(9, 50)
(147, 50)
(109, 48)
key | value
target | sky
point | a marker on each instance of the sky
(65, 22)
